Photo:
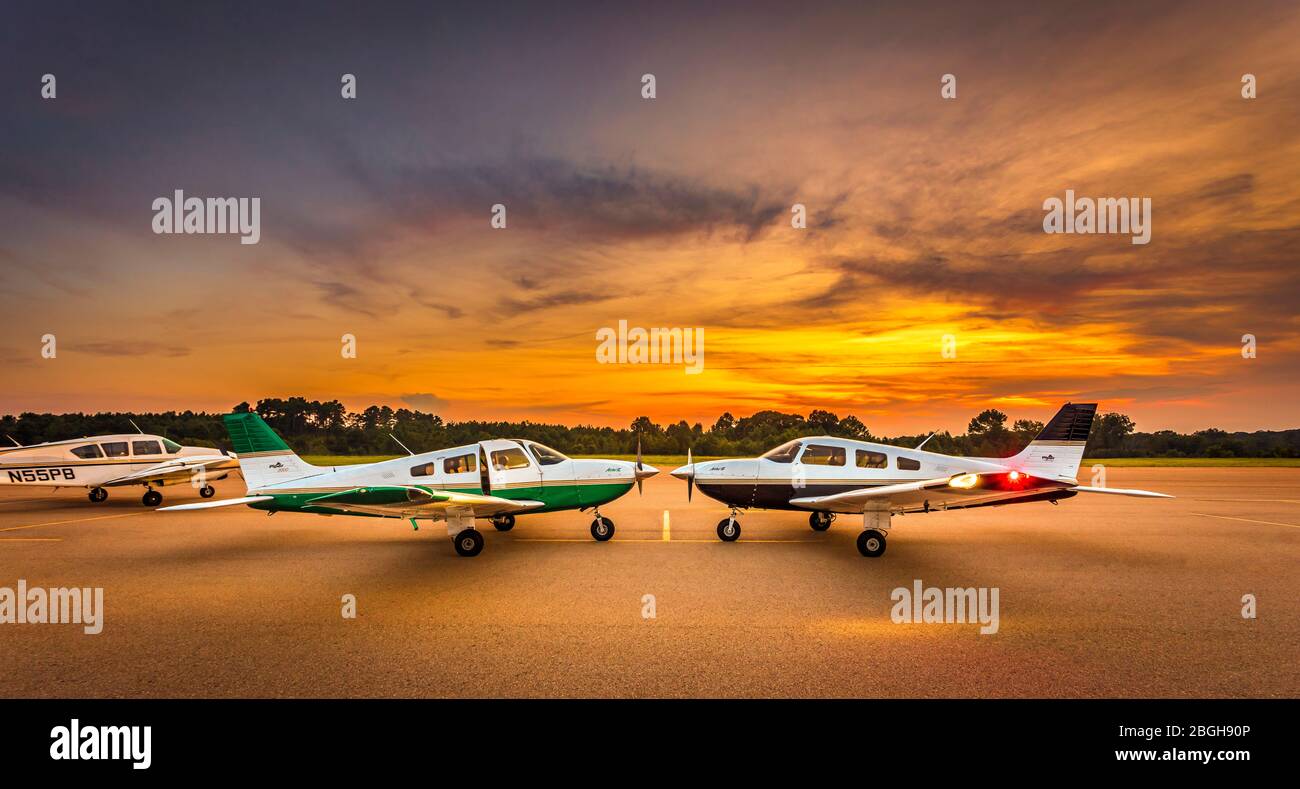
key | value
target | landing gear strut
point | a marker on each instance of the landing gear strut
(152, 498)
(821, 521)
(602, 528)
(98, 494)
(729, 528)
(207, 491)
(504, 522)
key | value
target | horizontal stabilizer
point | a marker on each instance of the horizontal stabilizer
(1124, 492)
(206, 505)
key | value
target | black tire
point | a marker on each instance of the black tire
(728, 530)
(602, 529)
(97, 495)
(207, 491)
(871, 543)
(503, 522)
(468, 543)
(151, 498)
(820, 521)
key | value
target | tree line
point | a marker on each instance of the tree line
(313, 427)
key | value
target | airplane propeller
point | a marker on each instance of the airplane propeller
(687, 473)
(690, 481)
(639, 466)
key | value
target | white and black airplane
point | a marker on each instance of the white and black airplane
(843, 476)
(99, 462)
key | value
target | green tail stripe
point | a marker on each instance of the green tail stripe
(248, 433)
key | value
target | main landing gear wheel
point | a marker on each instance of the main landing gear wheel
(728, 530)
(821, 521)
(871, 543)
(152, 498)
(602, 529)
(503, 522)
(468, 543)
(98, 494)
(207, 491)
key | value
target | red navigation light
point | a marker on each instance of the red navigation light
(1014, 476)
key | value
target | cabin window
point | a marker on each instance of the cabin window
(504, 459)
(171, 446)
(783, 454)
(460, 464)
(146, 448)
(115, 449)
(545, 455)
(422, 470)
(869, 459)
(88, 451)
(908, 464)
(819, 455)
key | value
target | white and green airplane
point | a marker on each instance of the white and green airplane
(497, 479)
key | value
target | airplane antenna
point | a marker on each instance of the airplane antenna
(137, 427)
(11, 438)
(400, 444)
(927, 438)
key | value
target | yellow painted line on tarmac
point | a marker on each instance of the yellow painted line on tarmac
(661, 540)
(668, 533)
(1271, 501)
(1246, 520)
(31, 539)
(29, 501)
(74, 520)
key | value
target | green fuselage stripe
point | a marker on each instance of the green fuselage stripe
(554, 497)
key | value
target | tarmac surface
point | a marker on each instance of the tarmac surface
(1100, 596)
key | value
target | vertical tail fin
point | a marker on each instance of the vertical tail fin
(264, 458)
(1058, 450)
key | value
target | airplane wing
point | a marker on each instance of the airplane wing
(411, 501)
(171, 470)
(961, 490)
(1122, 492)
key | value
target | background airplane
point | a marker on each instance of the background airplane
(100, 462)
(497, 479)
(838, 475)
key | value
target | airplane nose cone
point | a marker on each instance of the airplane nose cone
(684, 472)
(645, 472)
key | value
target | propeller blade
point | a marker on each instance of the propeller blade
(639, 465)
(690, 481)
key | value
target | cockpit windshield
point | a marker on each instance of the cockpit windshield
(545, 455)
(785, 453)
(171, 446)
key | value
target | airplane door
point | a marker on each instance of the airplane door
(822, 469)
(512, 472)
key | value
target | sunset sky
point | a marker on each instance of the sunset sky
(924, 214)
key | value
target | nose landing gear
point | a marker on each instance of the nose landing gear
(602, 528)
(821, 521)
(729, 528)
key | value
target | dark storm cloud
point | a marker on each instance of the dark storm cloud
(129, 348)
(560, 298)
